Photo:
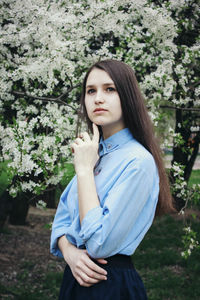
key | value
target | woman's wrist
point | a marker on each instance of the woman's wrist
(65, 246)
(81, 172)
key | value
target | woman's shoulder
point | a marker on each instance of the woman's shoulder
(136, 154)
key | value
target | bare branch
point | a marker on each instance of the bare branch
(53, 99)
(180, 108)
(181, 212)
(67, 91)
(191, 87)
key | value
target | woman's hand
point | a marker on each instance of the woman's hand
(83, 268)
(86, 151)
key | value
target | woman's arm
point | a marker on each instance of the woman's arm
(84, 270)
(85, 158)
(87, 194)
(61, 221)
(82, 266)
(126, 214)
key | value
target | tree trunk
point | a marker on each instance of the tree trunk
(186, 153)
(179, 154)
(19, 210)
(194, 145)
(5, 206)
(48, 196)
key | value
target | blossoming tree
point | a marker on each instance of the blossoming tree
(45, 49)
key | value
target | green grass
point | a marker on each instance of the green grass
(195, 178)
(48, 288)
(166, 275)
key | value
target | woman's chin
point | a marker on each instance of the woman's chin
(98, 122)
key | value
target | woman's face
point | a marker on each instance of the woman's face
(103, 103)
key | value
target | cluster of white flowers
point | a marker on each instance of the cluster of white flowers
(195, 128)
(189, 241)
(180, 185)
(53, 42)
(41, 204)
(28, 186)
(45, 50)
(154, 115)
(51, 39)
(35, 146)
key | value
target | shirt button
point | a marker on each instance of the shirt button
(109, 146)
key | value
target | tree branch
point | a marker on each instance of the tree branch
(67, 91)
(53, 99)
(191, 87)
(180, 108)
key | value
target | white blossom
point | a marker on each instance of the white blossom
(41, 204)
(53, 48)
(194, 128)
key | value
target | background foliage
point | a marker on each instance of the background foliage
(45, 49)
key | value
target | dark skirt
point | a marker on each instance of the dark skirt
(123, 283)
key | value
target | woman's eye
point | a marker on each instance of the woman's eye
(110, 89)
(90, 91)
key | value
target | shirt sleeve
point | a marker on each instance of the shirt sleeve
(105, 229)
(61, 222)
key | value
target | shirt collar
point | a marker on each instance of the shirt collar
(114, 141)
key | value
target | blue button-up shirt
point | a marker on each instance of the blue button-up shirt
(127, 185)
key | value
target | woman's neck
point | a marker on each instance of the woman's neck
(108, 130)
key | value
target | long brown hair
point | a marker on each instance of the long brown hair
(136, 118)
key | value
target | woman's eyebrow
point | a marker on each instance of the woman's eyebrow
(104, 84)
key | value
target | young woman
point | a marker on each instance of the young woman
(120, 184)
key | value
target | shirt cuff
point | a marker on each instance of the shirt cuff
(54, 241)
(91, 223)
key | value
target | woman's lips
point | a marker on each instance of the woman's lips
(99, 110)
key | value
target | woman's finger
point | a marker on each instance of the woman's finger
(92, 274)
(89, 280)
(95, 133)
(78, 141)
(73, 147)
(95, 267)
(102, 261)
(85, 137)
(81, 282)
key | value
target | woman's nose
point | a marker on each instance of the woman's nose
(99, 98)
